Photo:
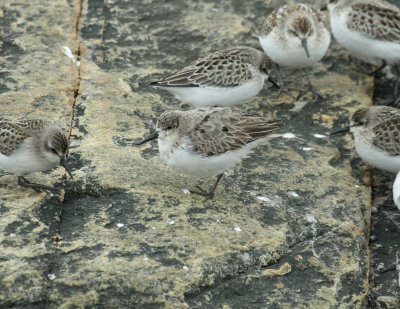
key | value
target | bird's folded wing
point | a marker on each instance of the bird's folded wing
(226, 130)
(375, 22)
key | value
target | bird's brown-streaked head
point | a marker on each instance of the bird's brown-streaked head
(301, 28)
(168, 121)
(359, 118)
(54, 145)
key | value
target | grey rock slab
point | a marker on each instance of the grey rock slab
(384, 244)
(38, 81)
(289, 227)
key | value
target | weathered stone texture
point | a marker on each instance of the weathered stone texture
(288, 228)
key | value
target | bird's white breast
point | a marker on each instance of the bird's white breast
(183, 159)
(205, 96)
(24, 160)
(375, 156)
(396, 191)
(290, 53)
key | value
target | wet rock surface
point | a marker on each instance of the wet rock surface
(289, 227)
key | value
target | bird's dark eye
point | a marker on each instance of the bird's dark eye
(169, 127)
(53, 151)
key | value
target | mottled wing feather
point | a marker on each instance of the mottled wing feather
(270, 23)
(375, 22)
(388, 113)
(31, 125)
(11, 136)
(227, 68)
(387, 136)
(224, 130)
(318, 14)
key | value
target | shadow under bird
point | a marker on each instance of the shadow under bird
(370, 30)
(30, 146)
(207, 141)
(223, 78)
(295, 36)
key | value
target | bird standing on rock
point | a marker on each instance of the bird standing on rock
(30, 146)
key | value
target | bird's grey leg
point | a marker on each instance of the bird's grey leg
(378, 69)
(23, 182)
(396, 84)
(208, 195)
(282, 87)
(316, 94)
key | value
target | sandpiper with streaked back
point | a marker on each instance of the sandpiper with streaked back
(295, 36)
(376, 132)
(370, 30)
(223, 78)
(207, 141)
(30, 146)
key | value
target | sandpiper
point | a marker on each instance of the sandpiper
(370, 30)
(295, 36)
(223, 78)
(376, 132)
(29, 146)
(207, 141)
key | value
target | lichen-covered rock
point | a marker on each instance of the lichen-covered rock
(289, 227)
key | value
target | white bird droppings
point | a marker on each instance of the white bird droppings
(120, 224)
(307, 148)
(264, 199)
(186, 268)
(238, 229)
(319, 135)
(170, 221)
(289, 135)
(293, 193)
(67, 51)
(311, 219)
(51, 277)
(185, 191)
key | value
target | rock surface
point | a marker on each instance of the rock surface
(289, 227)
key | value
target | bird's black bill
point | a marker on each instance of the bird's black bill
(148, 138)
(273, 82)
(342, 130)
(64, 164)
(304, 44)
(324, 7)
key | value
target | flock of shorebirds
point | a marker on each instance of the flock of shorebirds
(212, 137)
